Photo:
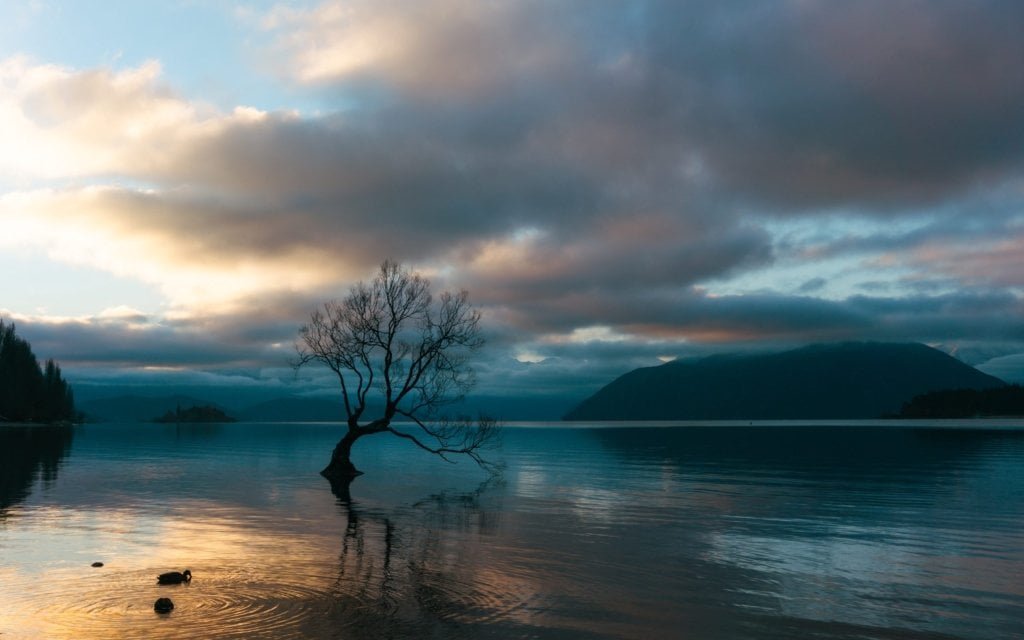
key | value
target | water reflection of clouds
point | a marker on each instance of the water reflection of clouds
(531, 482)
(675, 534)
(242, 561)
(888, 576)
(818, 578)
(593, 504)
(828, 556)
(61, 536)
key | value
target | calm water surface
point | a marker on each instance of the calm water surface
(690, 532)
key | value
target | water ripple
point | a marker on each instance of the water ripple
(242, 602)
(734, 533)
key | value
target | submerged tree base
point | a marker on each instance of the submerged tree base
(340, 471)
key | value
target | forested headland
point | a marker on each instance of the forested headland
(30, 392)
(1005, 401)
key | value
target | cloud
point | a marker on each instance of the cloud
(59, 122)
(611, 255)
(804, 104)
(135, 343)
(872, 103)
(250, 202)
(644, 168)
(203, 255)
(435, 48)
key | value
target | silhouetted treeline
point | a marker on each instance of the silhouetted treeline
(967, 403)
(30, 392)
(207, 413)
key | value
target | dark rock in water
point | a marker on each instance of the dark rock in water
(97, 564)
(163, 605)
(174, 577)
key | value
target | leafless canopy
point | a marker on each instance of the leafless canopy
(394, 348)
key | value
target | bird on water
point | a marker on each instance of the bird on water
(163, 605)
(175, 577)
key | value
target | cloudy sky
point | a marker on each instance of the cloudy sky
(615, 183)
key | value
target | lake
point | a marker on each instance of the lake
(860, 531)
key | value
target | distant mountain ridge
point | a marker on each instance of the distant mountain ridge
(138, 408)
(852, 380)
(131, 408)
(295, 409)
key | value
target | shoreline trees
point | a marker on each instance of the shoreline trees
(1005, 401)
(30, 392)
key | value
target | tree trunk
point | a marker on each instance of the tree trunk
(341, 467)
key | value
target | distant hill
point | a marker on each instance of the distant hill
(515, 408)
(299, 409)
(295, 409)
(135, 408)
(824, 381)
(132, 408)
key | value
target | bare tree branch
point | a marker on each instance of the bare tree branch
(390, 336)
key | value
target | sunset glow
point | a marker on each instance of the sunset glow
(609, 191)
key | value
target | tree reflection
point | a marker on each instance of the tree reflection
(28, 453)
(408, 571)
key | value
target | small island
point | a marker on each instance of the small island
(205, 413)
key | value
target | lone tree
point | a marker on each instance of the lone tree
(399, 355)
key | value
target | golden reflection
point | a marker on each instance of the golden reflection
(246, 567)
(410, 568)
(714, 550)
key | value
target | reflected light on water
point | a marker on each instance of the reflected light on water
(592, 533)
(247, 579)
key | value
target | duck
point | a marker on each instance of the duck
(163, 605)
(174, 577)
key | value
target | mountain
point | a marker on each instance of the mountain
(294, 409)
(515, 408)
(138, 408)
(838, 381)
(135, 408)
(298, 409)
(132, 408)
